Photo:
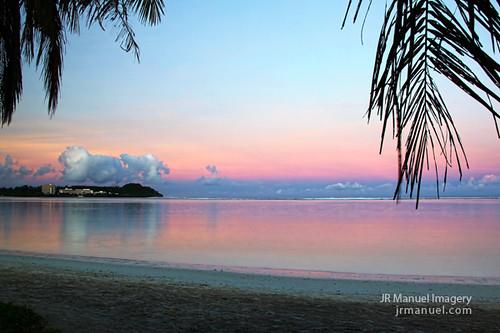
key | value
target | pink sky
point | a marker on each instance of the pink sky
(283, 99)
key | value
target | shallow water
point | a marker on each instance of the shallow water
(458, 237)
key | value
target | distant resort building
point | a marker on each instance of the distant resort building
(76, 191)
(83, 192)
(49, 189)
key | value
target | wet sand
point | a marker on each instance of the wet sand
(82, 296)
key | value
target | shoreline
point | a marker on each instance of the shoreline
(78, 296)
(260, 271)
(343, 287)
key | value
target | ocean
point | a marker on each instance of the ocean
(318, 238)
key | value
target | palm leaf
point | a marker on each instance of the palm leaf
(39, 34)
(10, 59)
(419, 40)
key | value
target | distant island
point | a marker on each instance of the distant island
(50, 190)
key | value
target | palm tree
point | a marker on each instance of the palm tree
(36, 30)
(419, 40)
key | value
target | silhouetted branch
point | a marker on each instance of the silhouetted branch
(419, 39)
(39, 34)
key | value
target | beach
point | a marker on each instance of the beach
(77, 294)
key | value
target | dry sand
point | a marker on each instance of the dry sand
(79, 295)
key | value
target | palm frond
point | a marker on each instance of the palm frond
(10, 59)
(70, 12)
(420, 39)
(47, 31)
(39, 34)
(117, 12)
(149, 11)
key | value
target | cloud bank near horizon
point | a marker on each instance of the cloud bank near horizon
(79, 165)
(11, 171)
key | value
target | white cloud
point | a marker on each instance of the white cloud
(79, 166)
(386, 185)
(345, 186)
(486, 181)
(146, 167)
(490, 179)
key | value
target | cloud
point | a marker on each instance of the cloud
(345, 186)
(213, 178)
(386, 185)
(486, 181)
(212, 169)
(24, 171)
(6, 169)
(43, 170)
(490, 179)
(9, 174)
(79, 166)
(146, 167)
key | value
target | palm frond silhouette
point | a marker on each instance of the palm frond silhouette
(419, 40)
(35, 30)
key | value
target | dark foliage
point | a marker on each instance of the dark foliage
(420, 39)
(35, 30)
(22, 191)
(21, 319)
(128, 190)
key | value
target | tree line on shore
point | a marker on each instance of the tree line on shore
(128, 190)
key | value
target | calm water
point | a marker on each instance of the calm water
(446, 237)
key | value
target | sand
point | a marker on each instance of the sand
(79, 294)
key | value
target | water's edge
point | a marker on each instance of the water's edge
(355, 290)
(260, 271)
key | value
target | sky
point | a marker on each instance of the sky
(230, 99)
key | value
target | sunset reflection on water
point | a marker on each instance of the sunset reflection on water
(445, 237)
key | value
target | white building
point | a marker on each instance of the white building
(49, 189)
(76, 191)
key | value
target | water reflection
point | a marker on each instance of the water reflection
(212, 215)
(447, 237)
(30, 224)
(93, 226)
